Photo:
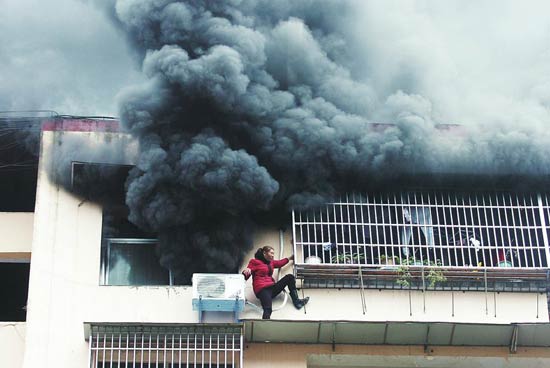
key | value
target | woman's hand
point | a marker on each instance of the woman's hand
(247, 272)
(291, 258)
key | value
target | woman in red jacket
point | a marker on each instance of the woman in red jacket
(261, 268)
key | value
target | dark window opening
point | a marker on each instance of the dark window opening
(19, 148)
(14, 291)
(129, 255)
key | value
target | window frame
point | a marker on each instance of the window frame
(106, 256)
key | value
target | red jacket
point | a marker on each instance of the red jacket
(261, 277)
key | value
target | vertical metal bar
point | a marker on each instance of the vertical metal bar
(91, 343)
(363, 232)
(418, 231)
(127, 349)
(528, 211)
(157, 351)
(494, 227)
(328, 235)
(301, 233)
(473, 235)
(179, 350)
(164, 351)
(241, 351)
(490, 241)
(537, 238)
(225, 351)
(389, 224)
(341, 225)
(375, 222)
(430, 229)
(500, 225)
(308, 241)
(370, 228)
(294, 235)
(453, 227)
(355, 219)
(187, 352)
(446, 227)
(514, 231)
(335, 234)
(521, 229)
(507, 227)
(315, 234)
(173, 348)
(142, 349)
(544, 233)
(202, 350)
(349, 229)
(135, 347)
(150, 347)
(463, 208)
(119, 348)
(481, 236)
(440, 245)
(104, 348)
(322, 229)
(232, 349)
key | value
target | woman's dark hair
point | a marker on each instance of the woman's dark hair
(260, 253)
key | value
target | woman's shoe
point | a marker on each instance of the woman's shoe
(298, 303)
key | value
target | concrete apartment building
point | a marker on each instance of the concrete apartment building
(402, 278)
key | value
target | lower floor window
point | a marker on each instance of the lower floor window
(166, 346)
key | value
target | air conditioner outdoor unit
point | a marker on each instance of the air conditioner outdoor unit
(218, 292)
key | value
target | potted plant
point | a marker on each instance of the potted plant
(388, 262)
(434, 274)
(347, 258)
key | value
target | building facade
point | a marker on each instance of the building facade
(403, 278)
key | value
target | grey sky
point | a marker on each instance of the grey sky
(63, 55)
(473, 61)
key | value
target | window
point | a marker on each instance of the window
(166, 346)
(433, 228)
(13, 291)
(129, 256)
(133, 262)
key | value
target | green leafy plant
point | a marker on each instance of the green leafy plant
(434, 274)
(347, 258)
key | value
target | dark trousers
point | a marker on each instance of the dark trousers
(267, 294)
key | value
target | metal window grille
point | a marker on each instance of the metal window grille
(165, 347)
(430, 228)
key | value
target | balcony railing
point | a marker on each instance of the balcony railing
(458, 232)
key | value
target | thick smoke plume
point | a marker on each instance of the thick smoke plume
(256, 105)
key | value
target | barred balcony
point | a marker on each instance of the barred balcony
(426, 239)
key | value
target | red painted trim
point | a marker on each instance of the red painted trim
(81, 125)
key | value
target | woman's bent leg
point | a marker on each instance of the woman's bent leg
(287, 280)
(290, 281)
(266, 299)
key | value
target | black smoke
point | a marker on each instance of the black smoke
(253, 106)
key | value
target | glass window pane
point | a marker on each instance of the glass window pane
(135, 264)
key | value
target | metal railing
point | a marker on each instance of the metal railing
(166, 346)
(435, 229)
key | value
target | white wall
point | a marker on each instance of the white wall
(16, 229)
(64, 289)
(12, 344)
